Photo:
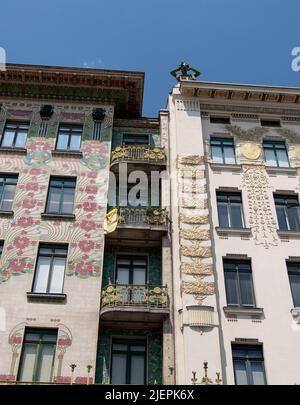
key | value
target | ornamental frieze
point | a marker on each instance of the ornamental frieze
(194, 250)
(261, 218)
(190, 160)
(199, 289)
(196, 267)
(195, 233)
(194, 219)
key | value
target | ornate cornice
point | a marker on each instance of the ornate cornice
(124, 89)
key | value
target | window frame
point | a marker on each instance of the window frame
(40, 332)
(17, 125)
(222, 147)
(285, 205)
(52, 256)
(128, 352)
(237, 272)
(294, 273)
(69, 133)
(61, 188)
(131, 266)
(272, 147)
(229, 205)
(6, 176)
(247, 360)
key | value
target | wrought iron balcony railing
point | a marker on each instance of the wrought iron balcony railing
(134, 295)
(147, 216)
(141, 153)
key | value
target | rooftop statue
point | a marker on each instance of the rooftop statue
(182, 72)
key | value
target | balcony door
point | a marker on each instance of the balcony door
(128, 362)
(131, 278)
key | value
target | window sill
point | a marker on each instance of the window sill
(46, 296)
(19, 151)
(229, 310)
(288, 234)
(77, 154)
(219, 167)
(281, 170)
(55, 217)
(233, 231)
(6, 214)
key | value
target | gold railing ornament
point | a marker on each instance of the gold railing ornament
(138, 153)
(147, 216)
(134, 295)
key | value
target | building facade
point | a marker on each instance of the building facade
(235, 241)
(76, 306)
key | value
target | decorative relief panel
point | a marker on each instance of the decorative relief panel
(84, 234)
(261, 218)
(194, 227)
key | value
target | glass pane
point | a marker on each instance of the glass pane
(42, 275)
(236, 216)
(123, 276)
(216, 154)
(231, 288)
(58, 274)
(75, 142)
(45, 363)
(258, 374)
(68, 201)
(229, 155)
(53, 200)
(270, 157)
(281, 217)
(28, 361)
(137, 370)
(8, 197)
(246, 289)
(120, 346)
(21, 140)
(295, 288)
(282, 157)
(8, 138)
(223, 215)
(137, 348)
(293, 217)
(139, 276)
(118, 373)
(62, 142)
(240, 372)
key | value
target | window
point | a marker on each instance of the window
(270, 123)
(131, 270)
(37, 357)
(222, 150)
(287, 209)
(230, 209)
(276, 153)
(293, 269)
(61, 194)
(219, 120)
(50, 269)
(135, 139)
(8, 185)
(238, 283)
(248, 365)
(69, 138)
(1, 247)
(15, 135)
(128, 362)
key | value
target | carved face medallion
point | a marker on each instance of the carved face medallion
(250, 151)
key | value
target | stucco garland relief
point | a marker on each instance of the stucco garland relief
(192, 200)
(196, 267)
(261, 218)
(253, 134)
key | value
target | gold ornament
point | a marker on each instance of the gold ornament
(250, 151)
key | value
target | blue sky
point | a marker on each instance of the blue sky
(240, 41)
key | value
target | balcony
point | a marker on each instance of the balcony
(143, 216)
(138, 154)
(133, 304)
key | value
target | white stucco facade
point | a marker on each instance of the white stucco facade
(270, 325)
